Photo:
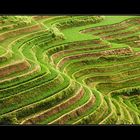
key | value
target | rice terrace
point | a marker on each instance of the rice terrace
(68, 69)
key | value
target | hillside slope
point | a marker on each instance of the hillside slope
(69, 69)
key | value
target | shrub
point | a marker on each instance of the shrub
(56, 33)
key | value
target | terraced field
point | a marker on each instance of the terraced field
(69, 70)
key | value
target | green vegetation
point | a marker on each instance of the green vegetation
(69, 70)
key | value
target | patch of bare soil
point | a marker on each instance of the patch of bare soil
(122, 51)
(118, 26)
(60, 53)
(5, 71)
(19, 31)
(120, 34)
(57, 108)
(35, 70)
(77, 112)
(102, 32)
(137, 54)
(64, 60)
